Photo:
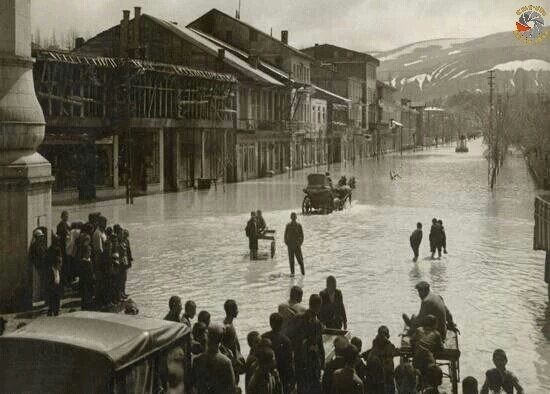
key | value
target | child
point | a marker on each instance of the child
(432, 379)
(500, 379)
(204, 317)
(469, 385)
(385, 351)
(425, 342)
(253, 339)
(415, 240)
(174, 304)
(198, 345)
(55, 287)
(265, 379)
(406, 378)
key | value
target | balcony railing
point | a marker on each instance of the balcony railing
(290, 126)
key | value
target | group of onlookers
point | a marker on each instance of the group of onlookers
(438, 239)
(91, 256)
(290, 357)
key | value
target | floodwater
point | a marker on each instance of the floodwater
(193, 244)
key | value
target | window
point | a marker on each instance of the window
(319, 115)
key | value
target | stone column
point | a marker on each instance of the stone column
(115, 163)
(25, 176)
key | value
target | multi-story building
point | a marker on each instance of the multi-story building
(282, 61)
(408, 131)
(337, 118)
(352, 75)
(388, 120)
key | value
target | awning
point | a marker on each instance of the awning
(113, 63)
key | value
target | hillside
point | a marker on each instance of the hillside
(438, 68)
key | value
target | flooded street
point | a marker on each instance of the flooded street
(193, 244)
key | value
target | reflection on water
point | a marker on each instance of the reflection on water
(193, 244)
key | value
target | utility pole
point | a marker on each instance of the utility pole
(492, 152)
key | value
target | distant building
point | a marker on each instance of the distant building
(282, 61)
(350, 74)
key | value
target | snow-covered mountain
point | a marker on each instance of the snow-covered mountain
(438, 68)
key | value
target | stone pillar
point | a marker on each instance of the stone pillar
(25, 176)
(115, 162)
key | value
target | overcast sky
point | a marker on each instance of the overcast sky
(357, 24)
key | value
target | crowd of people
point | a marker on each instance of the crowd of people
(290, 358)
(91, 257)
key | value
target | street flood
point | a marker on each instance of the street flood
(193, 244)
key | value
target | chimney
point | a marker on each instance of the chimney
(221, 54)
(137, 20)
(78, 42)
(284, 37)
(124, 25)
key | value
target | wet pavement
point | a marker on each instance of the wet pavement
(193, 244)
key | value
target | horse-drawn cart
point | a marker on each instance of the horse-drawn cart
(321, 196)
(449, 357)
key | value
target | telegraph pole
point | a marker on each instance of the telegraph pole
(492, 152)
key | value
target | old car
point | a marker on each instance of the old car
(321, 196)
(92, 352)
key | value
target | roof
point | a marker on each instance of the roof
(122, 339)
(291, 48)
(211, 47)
(146, 65)
(239, 52)
(366, 56)
(331, 94)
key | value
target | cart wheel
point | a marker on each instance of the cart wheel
(453, 372)
(272, 249)
(306, 206)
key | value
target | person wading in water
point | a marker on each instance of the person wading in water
(294, 237)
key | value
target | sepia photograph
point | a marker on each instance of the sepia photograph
(274, 197)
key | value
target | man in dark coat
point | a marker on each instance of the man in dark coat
(55, 287)
(294, 237)
(307, 342)
(252, 234)
(416, 239)
(212, 372)
(283, 352)
(333, 311)
(63, 230)
(338, 362)
(345, 380)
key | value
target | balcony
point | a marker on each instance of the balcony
(290, 126)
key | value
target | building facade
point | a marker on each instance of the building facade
(350, 74)
(291, 119)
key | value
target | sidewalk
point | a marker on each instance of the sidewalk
(71, 302)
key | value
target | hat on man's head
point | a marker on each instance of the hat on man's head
(38, 233)
(422, 285)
